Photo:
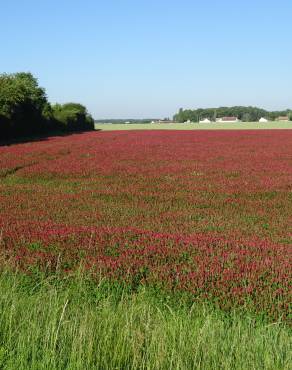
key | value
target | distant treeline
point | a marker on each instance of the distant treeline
(245, 114)
(25, 110)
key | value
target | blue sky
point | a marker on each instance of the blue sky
(147, 58)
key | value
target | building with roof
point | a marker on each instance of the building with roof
(263, 120)
(283, 118)
(228, 119)
(205, 120)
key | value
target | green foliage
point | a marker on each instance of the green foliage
(246, 114)
(246, 117)
(25, 110)
(75, 322)
(18, 90)
(22, 103)
(72, 117)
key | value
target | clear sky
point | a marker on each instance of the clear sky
(147, 58)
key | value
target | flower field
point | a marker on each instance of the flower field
(204, 212)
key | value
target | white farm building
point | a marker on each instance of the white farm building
(263, 120)
(227, 119)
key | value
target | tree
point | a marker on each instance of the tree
(25, 110)
(72, 117)
(246, 117)
(22, 103)
(247, 114)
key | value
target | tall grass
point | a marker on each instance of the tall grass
(75, 323)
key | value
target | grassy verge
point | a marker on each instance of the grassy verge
(75, 323)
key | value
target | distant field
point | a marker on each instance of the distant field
(196, 126)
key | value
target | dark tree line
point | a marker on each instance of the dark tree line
(25, 110)
(245, 114)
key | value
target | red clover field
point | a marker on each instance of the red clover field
(207, 213)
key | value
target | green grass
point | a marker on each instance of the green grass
(196, 126)
(75, 323)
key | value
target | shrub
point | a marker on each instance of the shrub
(72, 117)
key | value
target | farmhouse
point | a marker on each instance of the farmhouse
(227, 119)
(263, 120)
(283, 118)
(206, 120)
